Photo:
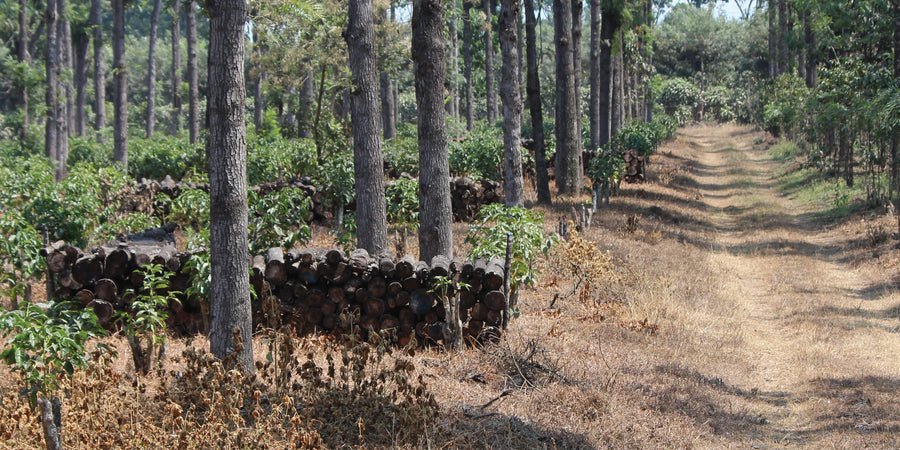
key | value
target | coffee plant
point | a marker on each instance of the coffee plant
(145, 320)
(278, 220)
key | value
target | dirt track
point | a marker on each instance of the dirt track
(819, 336)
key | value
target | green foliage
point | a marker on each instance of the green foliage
(401, 154)
(403, 203)
(278, 219)
(345, 236)
(634, 135)
(190, 209)
(164, 155)
(275, 158)
(47, 344)
(677, 93)
(145, 322)
(478, 154)
(337, 178)
(200, 269)
(785, 102)
(20, 259)
(489, 233)
(606, 166)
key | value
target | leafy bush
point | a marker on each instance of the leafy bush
(164, 155)
(785, 102)
(190, 209)
(20, 259)
(278, 219)
(634, 135)
(275, 158)
(145, 323)
(401, 154)
(403, 203)
(679, 92)
(478, 154)
(337, 178)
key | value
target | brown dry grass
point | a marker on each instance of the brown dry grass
(712, 312)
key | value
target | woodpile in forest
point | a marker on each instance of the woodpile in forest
(634, 166)
(466, 196)
(312, 291)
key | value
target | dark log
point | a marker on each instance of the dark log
(341, 273)
(468, 268)
(440, 266)
(377, 287)
(106, 289)
(359, 260)
(394, 287)
(328, 308)
(435, 331)
(334, 256)
(87, 269)
(402, 298)
(137, 278)
(275, 272)
(480, 268)
(361, 295)
(370, 323)
(493, 276)
(466, 299)
(285, 293)
(495, 300)
(389, 322)
(374, 307)
(72, 254)
(56, 262)
(421, 301)
(404, 340)
(83, 297)
(336, 294)
(386, 264)
(314, 316)
(141, 257)
(456, 265)
(474, 285)
(329, 322)
(494, 317)
(422, 331)
(421, 270)
(410, 283)
(314, 298)
(474, 328)
(117, 261)
(405, 267)
(65, 280)
(164, 254)
(479, 312)
(258, 267)
(103, 309)
(309, 274)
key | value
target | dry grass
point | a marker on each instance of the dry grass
(704, 309)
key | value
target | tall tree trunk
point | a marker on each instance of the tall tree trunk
(594, 103)
(99, 71)
(542, 180)
(371, 219)
(428, 55)
(24, 57)
(120, 100)
(307, 102)
(569, 172)
(227, 150)
(609, 24)
(467, 61)
(895, 138)
(64, 34)
(82, 42)
(151, 68)
(616, 109)
(490, 95)
(388, 124)
(52, 67)
(453, 88)
(176, 69)
(512, 104)
(259, 106)
(809, 39)
(577, 9)
(772, 13)
(193, 85)
(801, 54)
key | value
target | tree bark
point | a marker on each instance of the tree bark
(784, 50)
(772, 13)
(609, 25)
(259, 106)
(307, 100)
(63, 86)
(51, 64)
(227, 150)
(82, 42)
(577, 8)
(615, 120)
(193, 88)
(388, 124)
(490, 95)
(371, 219)
(151, 68)
(569, 172)
(809, 39)
(467, 61)
(452, 95)
(176, 69)
(534, 105)
(24, 57)
(64, 34)
(428, 55)
(895, 138)
(120, 100)
(594, 102)
(96, 20)
(512, 103)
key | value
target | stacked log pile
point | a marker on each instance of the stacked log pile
(466, 196)
(634, 166)
(313, 291)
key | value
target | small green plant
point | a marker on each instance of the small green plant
(200, 270)
(606, 170)
(447, 291)
(190, 208)
(20, 260)
(345, 235)
(488, 237)
(337, 178)
(145, 323)
(403, 209)
(278, 219)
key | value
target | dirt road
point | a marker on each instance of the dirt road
(819, 335)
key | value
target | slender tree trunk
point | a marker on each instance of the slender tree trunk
(609, 24)
(176, 69)
(772, 14)
(467, 61)
(809, 39)
(616, 109)
(569, 172)
(520, 31)
(895, 138)
(52, 66)
(594, 103)
(307, 102)
(227, 150)
(801, 54)
(428, 55)
(259, 106)
(490, 95)
(24, 57)
(65, 36)
(120, 103)
(371, 219)
(542, 180)
(388, 125)
(99, 71)
(82, 42)
(151, 68)
(453, 97)
(577, 9)
(512, 104)
(193, 85)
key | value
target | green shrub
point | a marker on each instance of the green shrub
(478, 154)
(164, 155)
(278, 219)
(678, 92)
(276, 158)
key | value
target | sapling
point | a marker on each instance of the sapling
(145, 323)
(447, 291)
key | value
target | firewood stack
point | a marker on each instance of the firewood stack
(634, 167)
(312, 291)
(467, 197)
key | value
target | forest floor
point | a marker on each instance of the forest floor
(721, 305)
